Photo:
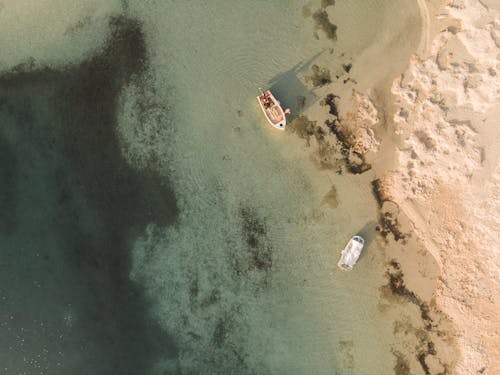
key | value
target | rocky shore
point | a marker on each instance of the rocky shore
(448, 179)
(428, 143)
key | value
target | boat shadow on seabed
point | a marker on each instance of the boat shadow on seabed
(291, 91)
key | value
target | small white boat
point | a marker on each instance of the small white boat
(272, 110)
(351, 253)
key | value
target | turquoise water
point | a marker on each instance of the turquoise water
(154, 224)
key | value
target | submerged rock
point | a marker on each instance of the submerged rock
(347, 67)
(319, 76)
(323, 23)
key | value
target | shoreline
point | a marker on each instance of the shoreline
(446, 182)
(428, 142)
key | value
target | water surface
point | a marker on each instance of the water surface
(154, 224)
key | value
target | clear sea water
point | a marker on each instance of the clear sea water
(150, 221)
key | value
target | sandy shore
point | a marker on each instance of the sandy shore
(448, 179)
(446, 185)
(429, 144)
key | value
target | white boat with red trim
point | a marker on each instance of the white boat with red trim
(272, 110)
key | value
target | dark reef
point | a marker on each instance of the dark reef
(319, 76)
(388, 213)
(354, 161)
(115, 333)
(401, 367)
(426, 346)
(255, 233)
(378, 192)
(322, 21)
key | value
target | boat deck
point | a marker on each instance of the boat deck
(275, 114)
(351, 253)
(272, 110)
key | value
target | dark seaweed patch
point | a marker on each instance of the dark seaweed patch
(345, 348)
(211, 299)
(230, 355)
(118, 335)
(330, 102)
(378, 192)
(421, 359)
(389, 221)
(319, 76)
(331, 198)
(303, 127)
(329, 154)
(219, 335)
(306, 129)
(255, 232)
(401, 367)
(327, 3)
(422, 355)
(322, 21)
(194, 289)
(388, 212)
(347, 67)
(354, 161)
(398, 288)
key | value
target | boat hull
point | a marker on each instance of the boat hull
(274, 114)
(351, 253)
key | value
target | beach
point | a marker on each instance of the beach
(434, 170)
(442, 193)
(152, 222)
(448, 178)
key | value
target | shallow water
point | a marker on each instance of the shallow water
(158, 221)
